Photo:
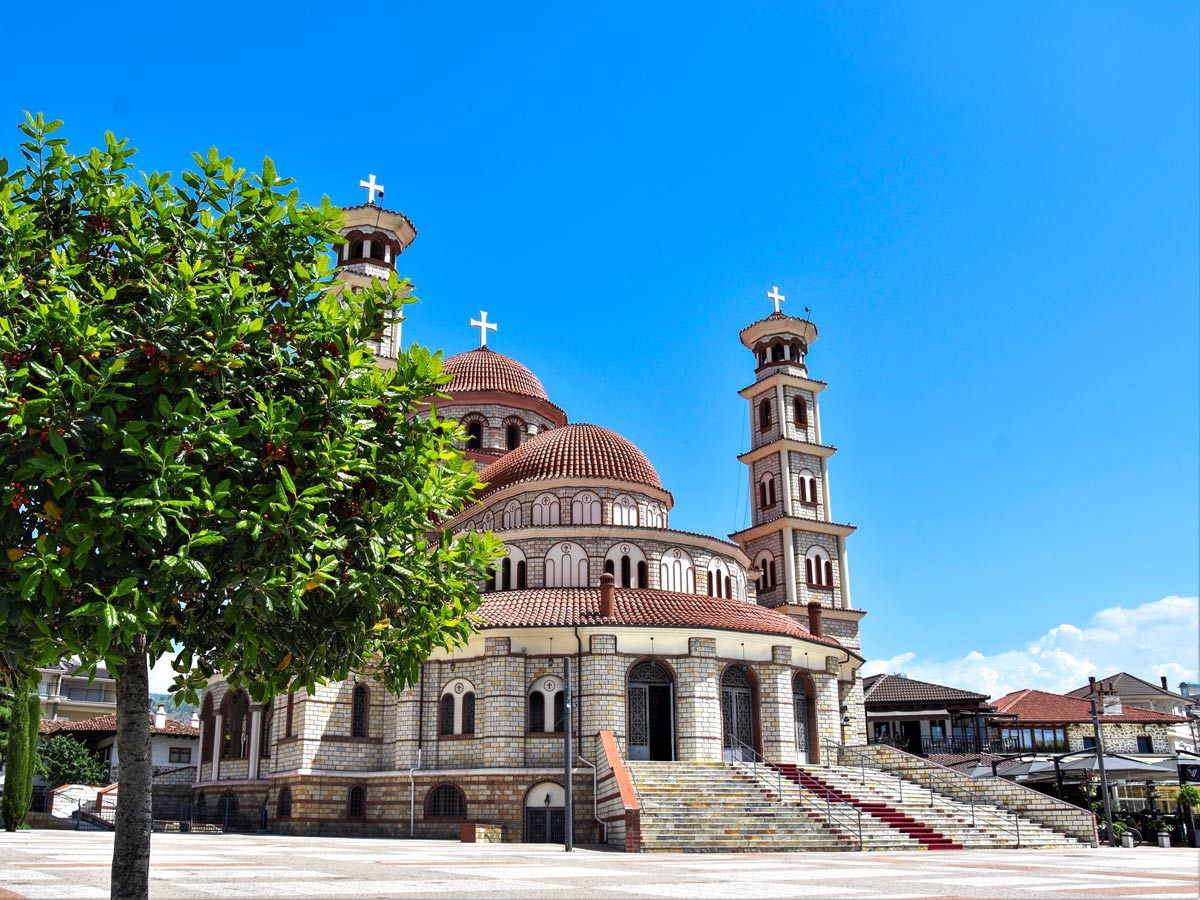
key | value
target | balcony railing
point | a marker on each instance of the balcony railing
(925, 746)
(90, 695)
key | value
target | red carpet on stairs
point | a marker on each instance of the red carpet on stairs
(889, 815)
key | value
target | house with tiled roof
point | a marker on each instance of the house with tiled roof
(923, 718)
(684, 648)
(173, 745)
(69, 691)
(1139, 692)
(1041, 722)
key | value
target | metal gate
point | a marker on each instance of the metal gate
(651, 700)
(800, 711)
(737, 715)
(545, 826)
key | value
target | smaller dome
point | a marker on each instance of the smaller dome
(586, 452)
(487, 370)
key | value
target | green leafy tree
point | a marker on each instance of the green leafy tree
(22, 759)
(198, 454)
(64, 760)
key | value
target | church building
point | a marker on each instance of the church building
(683, 647)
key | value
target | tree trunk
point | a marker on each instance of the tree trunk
(16, 807)
(131, 847)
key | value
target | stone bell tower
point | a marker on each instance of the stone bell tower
(373, 237)
(797, 549)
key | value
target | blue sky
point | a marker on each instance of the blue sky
(992, 212)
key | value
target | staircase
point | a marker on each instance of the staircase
(923, 834)
(978, 826)
(700, 807)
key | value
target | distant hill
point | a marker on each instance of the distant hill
(181, 712)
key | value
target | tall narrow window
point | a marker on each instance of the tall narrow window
(710, 583)
(625, 573)
(643, 580)
(285, 803)
(291, 707)
(264, 733)
(537, 711)
(474, 435)
(764, 415)
(521, 575)
(512, 437)
(506, 574)
(559, 712)
(610, 568)
(357, 807)
(468, 713)
(801, 407)
(446, 717)
(358, 713)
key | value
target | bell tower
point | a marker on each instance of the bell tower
(797, 549)
(373, 237)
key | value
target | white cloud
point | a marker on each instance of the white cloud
(1158, 638)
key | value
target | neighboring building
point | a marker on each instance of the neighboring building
(67, 691)
(924, 718)
(1134, 691)
(1046, 723)
(675, 655)
(173, 745)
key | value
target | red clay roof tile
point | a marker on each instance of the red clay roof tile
(1040, 706)
(487, 370)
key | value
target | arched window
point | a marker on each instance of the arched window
(766, 490)
(512, 436)
(512, 515)
(488, 522)
(264, 731)
(289, 723)
(468, 713)
(800, 406)
(356, 250)
(764, 415)
(377, 250)
(358, 712)
(624, 511)
(521, 575)
(235, 715)
(509, 573)
(474, 434)
(560, 709)
(545, 510)
(777, 352)
(808, 488)
(209, 722)
(546, 694)
(356, 807)
(284, 810)
(622, 560)
(656, 516)
(227, 808)
(566, 565)
(456, 708)
(818, 567)
(676, 572)
(767, 579)
(643, 580)
(585, 509)
(718, 579)
(506, 574)
(445, 802)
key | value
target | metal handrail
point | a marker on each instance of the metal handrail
(758, 759)
(642, 804)
(971, 796)
(862, 765)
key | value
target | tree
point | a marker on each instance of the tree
(22, 759)
(199, 456)
(64, 760)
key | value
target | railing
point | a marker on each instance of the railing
(757, 761)
(934, 778)
(862, 764)
(931, 745)
(642, 804)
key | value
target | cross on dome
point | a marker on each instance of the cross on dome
(773, 294)
(484, 327)
(372, 187)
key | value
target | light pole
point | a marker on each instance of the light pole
(568, 727)
(1108, 821)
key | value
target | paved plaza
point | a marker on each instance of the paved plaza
(50, 865)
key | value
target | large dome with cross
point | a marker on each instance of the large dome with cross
(484, 370)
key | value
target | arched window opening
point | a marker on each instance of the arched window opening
(801, 408)
(545, 696)
(818, 568)
(676, 572)
(521, 575)
(566, 565)
(808, 488)
(235, 713)
(624, 511)
(764, 415)
(765, 561)
(559, 712)
(356, 808)
(468, 713)
(356, 250)
(545, 510)
(446, 802)
(264, 731)
(710, 584)
(537, 711)
(358, 712)
(289, 724)
(512, 515)
(512, 436)
(377, 250)
(626, 574)
(474, 435)
(766, 491)
(446, 715)
(728, 588)
(284, 810)
(777, 353)
(506, 574)
(585, 509)
(642, 574)
(209, 723)
(610, 568)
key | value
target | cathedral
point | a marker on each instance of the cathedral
(679, 647)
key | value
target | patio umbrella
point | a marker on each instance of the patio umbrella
(1029, 767)
(1113, 765)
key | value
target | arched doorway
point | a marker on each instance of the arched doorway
(651, 702)
(804, 709)
(545, 814)
(737, 714)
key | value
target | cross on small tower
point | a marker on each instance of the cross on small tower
(773, 294)
(372, 187)
(484, 327)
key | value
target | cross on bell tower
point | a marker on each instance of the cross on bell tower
(484, 327)
(372, 187)
(773, 294)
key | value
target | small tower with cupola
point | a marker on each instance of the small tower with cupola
(797, 549)
(373, 238)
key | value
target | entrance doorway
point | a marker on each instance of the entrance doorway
(737, 715)
(910, 737)
(651, 701)
(545, 814)
(800, 710)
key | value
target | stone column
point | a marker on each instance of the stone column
(218, 726)
(602, 691)
(199, 755)
(829, 714)
(776, 711)
(789, 566)
(503, 720)
(698, 703)
(852, 699)
(255, 737)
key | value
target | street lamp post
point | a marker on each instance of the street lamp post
(1108, 820)
(568, 727)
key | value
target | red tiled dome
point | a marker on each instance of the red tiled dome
(548, 607)
(487, 370)
(572, 451)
